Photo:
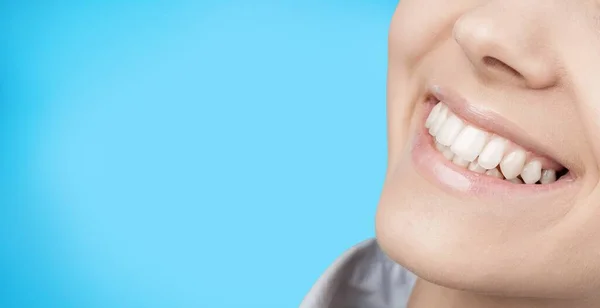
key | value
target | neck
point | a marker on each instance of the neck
(426, 294)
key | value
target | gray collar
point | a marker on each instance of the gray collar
(362, 277)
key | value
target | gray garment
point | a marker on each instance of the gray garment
(362, 277)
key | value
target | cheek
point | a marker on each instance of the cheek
(418, 26)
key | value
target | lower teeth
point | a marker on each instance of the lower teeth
(473, 166)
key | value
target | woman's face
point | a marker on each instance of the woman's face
(519, 85)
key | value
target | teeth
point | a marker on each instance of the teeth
(450, 130)
(532, 172)
(492, 154)
(548, 176)
(440, 118)
(469, 147)
(469, 143)
(433, 115)
(445, 150)
(457, 160)
(512, 164)
(475, 167)
(495, 173)
(516, 181)
(448, 154)
(440, 147)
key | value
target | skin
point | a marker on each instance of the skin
(537, 64)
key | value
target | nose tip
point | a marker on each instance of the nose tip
(500, 48)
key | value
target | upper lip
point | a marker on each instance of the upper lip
(489, 120)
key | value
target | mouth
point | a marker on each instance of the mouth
(467, 148)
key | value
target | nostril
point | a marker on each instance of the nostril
(494, 63)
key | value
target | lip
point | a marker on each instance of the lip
(433, 166)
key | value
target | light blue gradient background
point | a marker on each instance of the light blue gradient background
(186, 154)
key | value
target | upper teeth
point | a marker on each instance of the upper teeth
(479, 151)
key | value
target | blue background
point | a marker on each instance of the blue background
(186, 154)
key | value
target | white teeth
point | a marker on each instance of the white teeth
(548, 176)
(450, 130)
(445, 150)
(457, 160)
(512, 164)
(472, 148)
(475, 167)
(495, 173)
(433, 115)
(440, 147)
(469, 143)
(532, 172)
(440, 118)
(516, 181)
(448, 154)
(492, 153)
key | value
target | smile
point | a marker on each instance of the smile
(465, 149)
(483, 152)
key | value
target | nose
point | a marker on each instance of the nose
(504, 40)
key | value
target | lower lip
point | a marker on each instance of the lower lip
(433, 166)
